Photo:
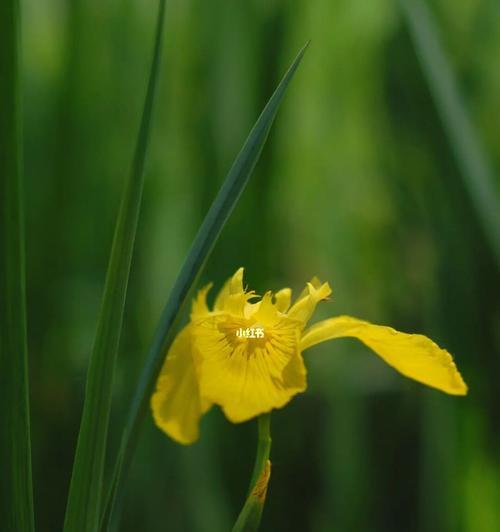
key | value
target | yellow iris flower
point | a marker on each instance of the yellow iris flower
(218, 359)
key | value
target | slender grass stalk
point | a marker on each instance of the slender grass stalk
(464, 142)
(203, 244)
(85, 495)
(251, 513)
(16, 490)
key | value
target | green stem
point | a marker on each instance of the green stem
(263, 448)
(249, 518)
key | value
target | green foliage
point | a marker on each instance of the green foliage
(84, 502)
(373, 179)
(16, 492)
(467, 149)
(205, 240)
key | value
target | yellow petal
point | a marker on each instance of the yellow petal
(232, 297)
(316, 284)
(248, 377)
(266, 311)
(221, 297)
(199, 307)
(283, 299)
(233, 285)
(236, 282)
(413, 355)
(305, 305)
(176, 403)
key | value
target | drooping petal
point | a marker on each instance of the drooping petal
(248, 377)
(413, 355)
(176, 403)
(305, 305)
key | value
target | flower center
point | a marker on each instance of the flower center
(245, 335)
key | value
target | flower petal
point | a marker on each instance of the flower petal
(199, 307)
(248, 377)
(220, 298)
(233, 298)
(413, 355)
(176, 403)
(305, 305)
(283, 299)
(234, 285)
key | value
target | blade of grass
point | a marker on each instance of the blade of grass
(16, 491)
(464, 142)
(203, 244)
(85, 494)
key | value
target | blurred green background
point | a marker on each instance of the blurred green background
(358, 184)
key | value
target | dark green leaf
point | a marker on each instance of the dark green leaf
(203, 244)
(85, 495)
(16, 492)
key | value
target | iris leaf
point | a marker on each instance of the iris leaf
(203, 244)
(85, 495)
(16, 491)
(472, 160)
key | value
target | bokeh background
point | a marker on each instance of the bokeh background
(358, 184)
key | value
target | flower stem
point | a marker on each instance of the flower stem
(263, 448)
(249, 518)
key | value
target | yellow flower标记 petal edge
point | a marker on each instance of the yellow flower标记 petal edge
(413, 355)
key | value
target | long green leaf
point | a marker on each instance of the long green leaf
(85, 495)
(16, 492)
(203, 244)
(464, 142)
